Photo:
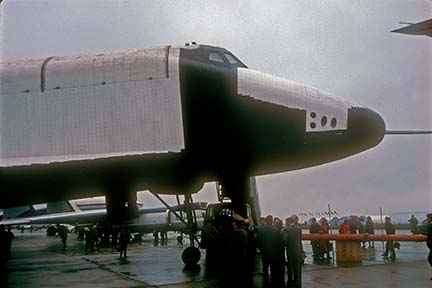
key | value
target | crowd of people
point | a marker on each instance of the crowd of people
(354, 225)
(99, 236)
(232, 246)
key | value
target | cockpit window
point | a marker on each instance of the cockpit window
(216, 57)
(230, 58)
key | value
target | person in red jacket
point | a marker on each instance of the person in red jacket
(344, 228)
(324, 244)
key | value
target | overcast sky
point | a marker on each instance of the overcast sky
(344, 49)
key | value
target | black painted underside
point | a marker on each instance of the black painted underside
(228, 137)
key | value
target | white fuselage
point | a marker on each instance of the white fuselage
(94, 104)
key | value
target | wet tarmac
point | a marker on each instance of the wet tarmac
(39, 261)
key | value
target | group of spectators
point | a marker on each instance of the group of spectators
(354, 225)
(281, 247)
(320, 248)
(232, 246)
(230, 250)
(98, 236)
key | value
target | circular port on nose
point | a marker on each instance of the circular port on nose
(323, 121)
(333, 122)
(312, 125)
(313, 115)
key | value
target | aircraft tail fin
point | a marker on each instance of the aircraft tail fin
(421, 28)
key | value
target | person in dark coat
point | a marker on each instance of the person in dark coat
(353, 224)
(251, 250)
(271, 248)
(238, 255)
(9, 237)
(80, 231)
(88, 239)
(429, 239)
(315, 228)
(3, 248)
(123, 241)
(224, 226)
(370, 229)
(63, 233)
(389, 248)
(209, 242)
(95, 236)
(293, 249)
(413, 225)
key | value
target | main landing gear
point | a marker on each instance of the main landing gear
(191, 255)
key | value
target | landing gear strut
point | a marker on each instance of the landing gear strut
(192, 254)
(238, 190)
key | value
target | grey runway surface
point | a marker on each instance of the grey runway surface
(38, 261)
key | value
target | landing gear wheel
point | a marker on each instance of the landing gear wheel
(191, 256)
(51, 231)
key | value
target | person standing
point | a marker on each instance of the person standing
(95, 236)
(389, 248)
(63, 233)
(315, 228)
(362, 229)
(123, 241)
(80, 233)
(278, 224)
(413, 225)
(9, 237)
(208, 241)
(270, 245)
(344, 228)
(3, 249)
(353, 224)
(237, 275)
(429, 239)
(370, 229)
(251, 251)
(324, 244)
(293, 248)
(88, 240)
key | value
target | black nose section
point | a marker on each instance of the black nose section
(366, 126)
